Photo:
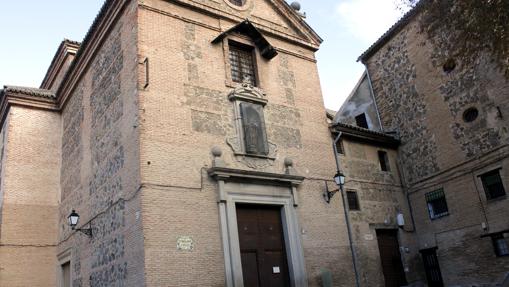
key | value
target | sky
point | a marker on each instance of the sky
(31, 31)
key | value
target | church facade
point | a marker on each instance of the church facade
(190, 138)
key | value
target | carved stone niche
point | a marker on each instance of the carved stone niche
(250, 144)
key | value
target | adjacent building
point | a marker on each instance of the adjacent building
(450, 118)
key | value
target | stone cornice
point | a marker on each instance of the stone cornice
(224, 173)
(312, 42)
(66, 48)
(18, 97)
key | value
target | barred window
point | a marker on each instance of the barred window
(492, 184)
(501, 244)
(339, 147)
(353, 200)
(242, 64)
(437, 205)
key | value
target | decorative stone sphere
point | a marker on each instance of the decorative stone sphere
(216, 151)
(295, 6)
(288, 162)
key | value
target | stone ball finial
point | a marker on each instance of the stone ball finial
(288, 162)
(216, 151)
(295, 6)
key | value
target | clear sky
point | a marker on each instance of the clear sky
(31, 30)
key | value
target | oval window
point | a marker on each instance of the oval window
(238, 2)
(449, 65)
(470, 115)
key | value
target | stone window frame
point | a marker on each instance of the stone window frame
(63, 258)
(240, 40)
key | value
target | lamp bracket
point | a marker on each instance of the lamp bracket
(328, 194)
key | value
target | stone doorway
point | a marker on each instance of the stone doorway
(262, 246)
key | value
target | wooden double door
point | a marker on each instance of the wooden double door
(262, 246)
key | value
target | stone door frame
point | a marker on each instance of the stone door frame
(270, 189)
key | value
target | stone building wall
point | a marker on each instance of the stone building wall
(425, 105)
(100, 165)
(29, 208)
(185, 111)
(381, 197)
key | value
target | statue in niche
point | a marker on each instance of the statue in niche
(255, 137)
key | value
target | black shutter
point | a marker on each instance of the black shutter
(253, 124)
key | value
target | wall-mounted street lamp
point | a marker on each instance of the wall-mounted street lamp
(74, 218)
(339, 179)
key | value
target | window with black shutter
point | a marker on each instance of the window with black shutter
(437, 205)
(384, 161)
(353, 200)
(242, 63)
(361, 121)
(253, 126)
(492, 184)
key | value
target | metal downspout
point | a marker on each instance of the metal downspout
(354, 256)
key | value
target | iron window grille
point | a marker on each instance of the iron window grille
(242, 64)
(384, 161)
(339, 147)
(353, 200)
(437, 205)
(493, 186)
(500, 244)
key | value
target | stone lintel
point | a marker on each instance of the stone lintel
(224, 173)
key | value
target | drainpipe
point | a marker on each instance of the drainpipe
(347, 219)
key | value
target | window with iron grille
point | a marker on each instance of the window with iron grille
(242, 63)
(353, 200)
(492, 184)
(384, 161)
(501, 244)
(339, 147)
(361, 121)
(437, 205)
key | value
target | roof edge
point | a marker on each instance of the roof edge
(66, 46)
(393, 30)
(365, 135)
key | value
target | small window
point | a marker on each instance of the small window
(492, 184)
(253, 125)
(384, 161)
(242, 63)
(470, 115)
(437, 205)
(339, 147)
(353, 200)
(500, 244)
(66, 274)
(362, 121)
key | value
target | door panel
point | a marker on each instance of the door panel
(390, 256)
(262, 246)
(432, 268)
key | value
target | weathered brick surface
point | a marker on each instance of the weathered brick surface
(440, 150)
